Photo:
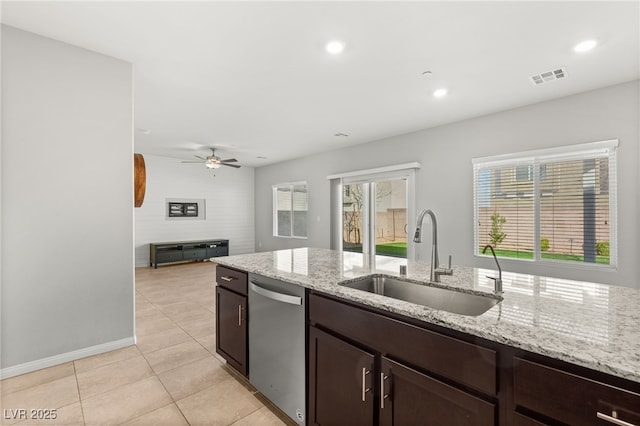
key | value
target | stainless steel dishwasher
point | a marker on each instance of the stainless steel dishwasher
(277, 343)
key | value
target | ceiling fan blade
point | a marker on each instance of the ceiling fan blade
(230, 160)
(202, 158)
(231, 165)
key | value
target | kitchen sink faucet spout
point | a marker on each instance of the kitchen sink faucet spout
(436, 270)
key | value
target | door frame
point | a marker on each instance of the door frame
(368, 221)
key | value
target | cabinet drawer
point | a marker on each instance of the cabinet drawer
(217, 251)
(569, 398)
(465, 363)
(169, 256)
(232, 279)
(196, 253)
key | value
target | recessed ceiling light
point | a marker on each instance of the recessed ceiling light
(335, 47)
(440, 93)
(585, 46)
(341, 135)
(261, 157)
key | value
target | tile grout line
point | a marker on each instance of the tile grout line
(75, 375)
(173, 401)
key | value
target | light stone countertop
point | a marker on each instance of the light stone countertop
(593, 325)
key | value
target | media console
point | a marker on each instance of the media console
(181, 251)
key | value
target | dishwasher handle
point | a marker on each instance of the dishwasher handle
(280, 297)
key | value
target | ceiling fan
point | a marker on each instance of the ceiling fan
(213, 161)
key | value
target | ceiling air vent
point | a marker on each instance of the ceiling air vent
(547, 76)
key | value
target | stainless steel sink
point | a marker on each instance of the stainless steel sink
(433, 297)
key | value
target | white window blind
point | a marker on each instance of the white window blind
(290, 210)
(549, 205)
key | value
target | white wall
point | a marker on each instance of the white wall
(67, 202)
(229, 205)
(444, 182)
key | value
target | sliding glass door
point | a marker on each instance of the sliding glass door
(374, 217)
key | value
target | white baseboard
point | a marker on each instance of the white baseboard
(28, 367)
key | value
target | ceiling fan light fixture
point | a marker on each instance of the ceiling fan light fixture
(212, 164)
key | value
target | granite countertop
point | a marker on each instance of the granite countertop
(593, 325)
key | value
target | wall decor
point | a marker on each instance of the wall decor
(183, 209)
(139, 180)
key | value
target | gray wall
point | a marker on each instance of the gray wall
(67, 201)
(444, 182)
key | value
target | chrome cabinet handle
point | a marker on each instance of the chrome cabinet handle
(365, 389)
(613, 418)
(239, 315)
(382, 394)
(227, 279)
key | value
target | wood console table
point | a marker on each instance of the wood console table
(181, 251)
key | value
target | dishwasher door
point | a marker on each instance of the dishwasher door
(277, 343)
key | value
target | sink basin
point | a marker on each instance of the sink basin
(433, 297)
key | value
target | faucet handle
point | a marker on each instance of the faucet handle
(445, 271)
(497, 283)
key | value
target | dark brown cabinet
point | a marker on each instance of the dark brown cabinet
(368, 369)
(410, 397)
(231, 318)
(342, 381)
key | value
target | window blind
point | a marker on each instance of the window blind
(552, 205)
(290, 210)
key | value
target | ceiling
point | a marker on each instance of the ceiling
(254, 78)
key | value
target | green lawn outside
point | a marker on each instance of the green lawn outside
(400, 250)
(389, 249)
(392, 249)
(546, 255)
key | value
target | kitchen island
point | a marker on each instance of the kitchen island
(591, 326)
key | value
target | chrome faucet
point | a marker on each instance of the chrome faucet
(436, 270)
(498, 281)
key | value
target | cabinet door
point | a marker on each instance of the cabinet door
(231, 328)
(341, 382)
(408, 397)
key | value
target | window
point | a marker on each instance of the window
(290, 210)
(550, 205)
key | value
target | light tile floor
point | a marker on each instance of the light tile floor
(171, 377)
